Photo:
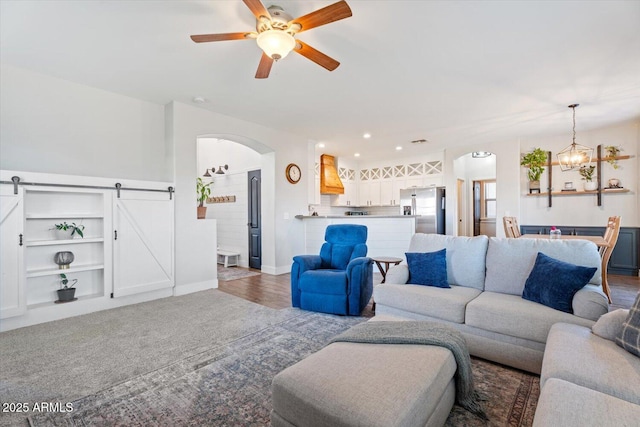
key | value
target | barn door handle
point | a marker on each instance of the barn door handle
(115, 234)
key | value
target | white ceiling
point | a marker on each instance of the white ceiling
(449, 72)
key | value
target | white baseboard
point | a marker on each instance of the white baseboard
(275, 271)
(195, 287)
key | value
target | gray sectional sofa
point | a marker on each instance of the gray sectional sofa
(587, 380)
(487, 278)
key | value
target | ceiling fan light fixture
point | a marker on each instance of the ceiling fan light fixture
(276, 44)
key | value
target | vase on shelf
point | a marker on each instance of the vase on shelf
(590, 186)
(63, 259)
(63, 234)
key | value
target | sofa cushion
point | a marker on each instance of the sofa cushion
(465, 256)
(554, 283)
(565, 404)
(428, 268)
(609, 326)
(517, 317)
(509, 261)
(576, 355)
(629, 337)
(445, 304)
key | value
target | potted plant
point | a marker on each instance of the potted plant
(66, 292)
(68, 231)
(587, 175)
(534, 161)
(612, 153)
(204, 191)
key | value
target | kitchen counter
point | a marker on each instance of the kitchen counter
(387, 235)
(353, 216)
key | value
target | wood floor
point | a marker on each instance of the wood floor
(274, 291)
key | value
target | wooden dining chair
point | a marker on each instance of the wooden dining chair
(511, 228)
(611, 236)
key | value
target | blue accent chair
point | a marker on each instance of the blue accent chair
(340, 279)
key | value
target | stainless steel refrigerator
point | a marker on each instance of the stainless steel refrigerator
(428, 204)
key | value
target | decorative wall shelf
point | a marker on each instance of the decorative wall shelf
(580, 193)
(55, 271)
(599, 159)
(63, 216)
(63, 242)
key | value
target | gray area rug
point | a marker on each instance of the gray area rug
(64, 360)
(233, 273)
(229, 384)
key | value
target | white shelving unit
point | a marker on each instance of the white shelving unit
(45, 207)
(126, 254)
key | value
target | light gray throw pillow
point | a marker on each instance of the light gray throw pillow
(609, 325)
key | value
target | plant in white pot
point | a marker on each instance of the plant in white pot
(68, 231)
(66, 292)
(534, 161)
(587, 175)
(204, 191)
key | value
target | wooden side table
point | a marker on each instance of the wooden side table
(387, 261)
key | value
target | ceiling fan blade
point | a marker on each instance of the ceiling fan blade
(257, 8)
(316, 56)
(201, 38)
(331, 13)
(264, 67)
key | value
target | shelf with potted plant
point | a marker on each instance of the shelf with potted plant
(612, 156)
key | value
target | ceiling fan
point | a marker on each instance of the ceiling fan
(276, 31)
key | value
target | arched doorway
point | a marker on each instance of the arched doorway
(232, 165)
(476, 200)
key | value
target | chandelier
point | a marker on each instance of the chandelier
(575, 155)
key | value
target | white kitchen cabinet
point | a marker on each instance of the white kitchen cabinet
(350, 196)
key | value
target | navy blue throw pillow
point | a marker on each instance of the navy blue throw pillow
(554, 283)
(428, 268)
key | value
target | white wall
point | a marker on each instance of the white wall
(231, 217)
(56, 126)
(281, 201)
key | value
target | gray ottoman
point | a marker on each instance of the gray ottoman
(354, 384)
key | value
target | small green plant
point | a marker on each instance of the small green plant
(535, 161)
(64, 281)
(612, 153)
(73, 227)
(203, 191)
(587, 172)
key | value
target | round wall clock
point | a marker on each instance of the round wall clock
(293, 173)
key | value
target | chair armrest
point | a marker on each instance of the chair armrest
(359, 284)
(398, 274)
(306, 262)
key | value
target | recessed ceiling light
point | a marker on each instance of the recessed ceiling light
(357, 154)
(398, 148)
(366, 136)
(321, 145)
(199, 100)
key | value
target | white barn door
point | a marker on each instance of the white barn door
(12, 302)
(143, 243)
